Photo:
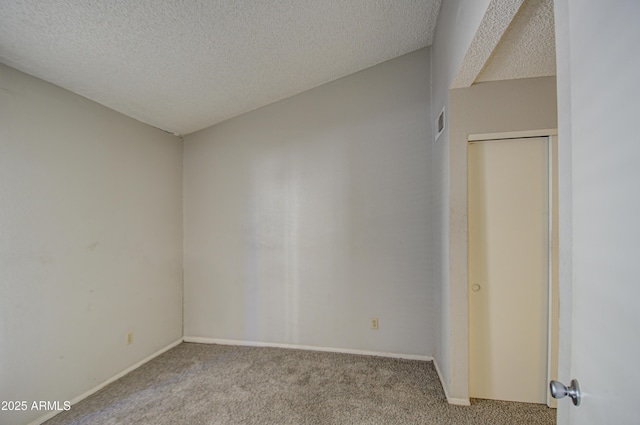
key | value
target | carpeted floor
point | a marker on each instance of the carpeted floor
(212, 384)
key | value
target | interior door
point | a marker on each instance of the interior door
(598, 105)
(508, 203)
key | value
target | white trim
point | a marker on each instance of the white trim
(551, 402)
(97, 388)
(458, 401)
(512, 135)
(450, 400)
(201, 340)
(550, 207)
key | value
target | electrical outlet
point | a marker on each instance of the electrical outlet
(129, 338)
(374, 323)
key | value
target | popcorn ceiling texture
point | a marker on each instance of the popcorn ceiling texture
(495, 22)
(516, 39)
(185, 65)
(527, 48)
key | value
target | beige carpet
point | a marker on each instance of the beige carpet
(212, 384)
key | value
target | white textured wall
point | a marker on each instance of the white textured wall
(457, 24)
(90, 242)
(306, 218)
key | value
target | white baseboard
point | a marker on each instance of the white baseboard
(450, 400)
(201, 340)
(459, 401)
(97, 388)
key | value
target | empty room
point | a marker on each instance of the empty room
(298, 212)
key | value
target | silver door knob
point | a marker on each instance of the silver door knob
(559, 390)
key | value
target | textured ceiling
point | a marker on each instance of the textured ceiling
(516, 39)
(183, 65)
(494, 24)
(527, 49)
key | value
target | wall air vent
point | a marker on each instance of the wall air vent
(439, 124)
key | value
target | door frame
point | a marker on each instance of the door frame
(553, 257)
